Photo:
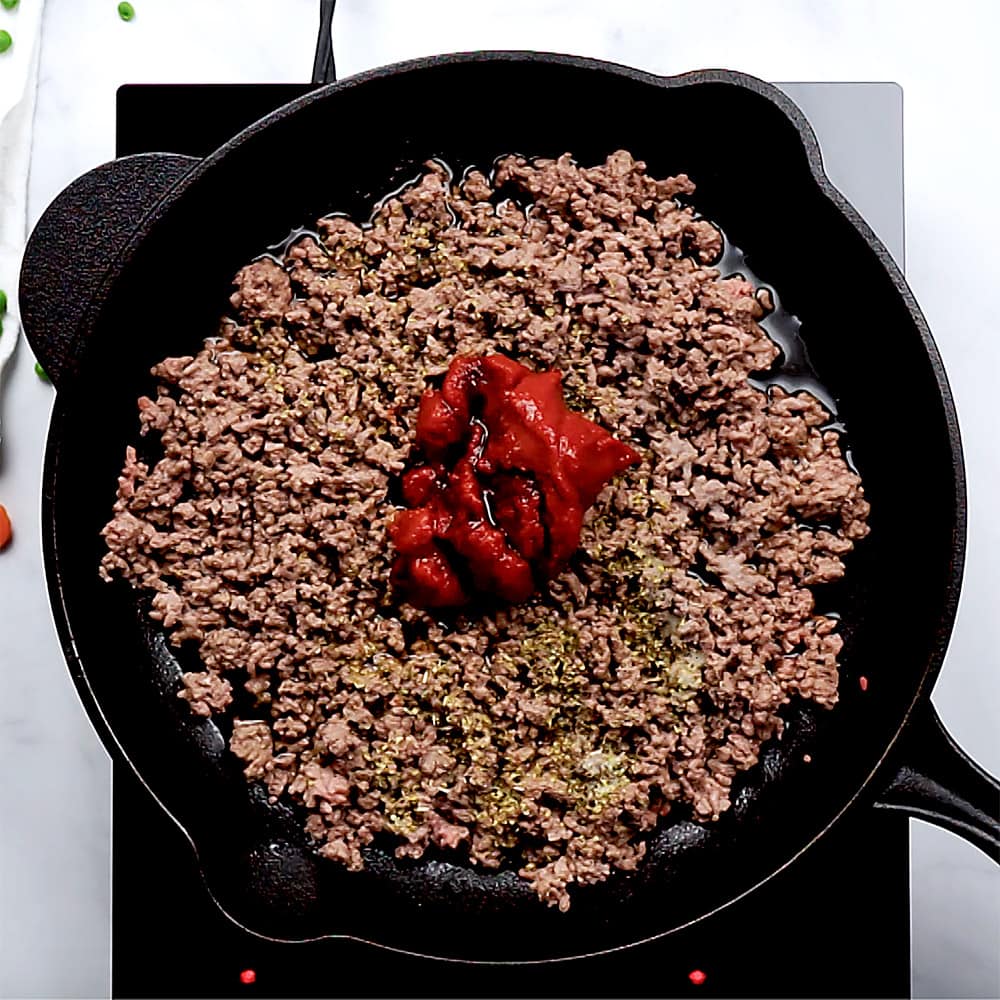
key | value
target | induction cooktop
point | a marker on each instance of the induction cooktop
(834, 924)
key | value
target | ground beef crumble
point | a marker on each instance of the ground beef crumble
(560, 731)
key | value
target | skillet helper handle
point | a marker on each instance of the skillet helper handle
(938, 782)
(75, 242)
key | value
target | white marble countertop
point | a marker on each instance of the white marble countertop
(54, 775)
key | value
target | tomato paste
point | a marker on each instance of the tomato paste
(508, 472)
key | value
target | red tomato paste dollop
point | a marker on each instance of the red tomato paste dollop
(498, 504)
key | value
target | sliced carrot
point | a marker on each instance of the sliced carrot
(5, 530)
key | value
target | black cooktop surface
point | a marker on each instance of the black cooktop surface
(835, 924)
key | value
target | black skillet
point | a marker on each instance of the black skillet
(133, 262)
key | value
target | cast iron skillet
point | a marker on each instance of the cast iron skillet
(133, 262)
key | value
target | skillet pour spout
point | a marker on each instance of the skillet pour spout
(119, 273)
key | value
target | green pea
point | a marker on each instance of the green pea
(5, 41)
(40, 372)
(9, 4)
(126, 11)
(3, 301)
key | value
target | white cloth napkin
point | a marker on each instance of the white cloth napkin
(18, 86)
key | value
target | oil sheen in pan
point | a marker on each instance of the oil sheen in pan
(793, 371)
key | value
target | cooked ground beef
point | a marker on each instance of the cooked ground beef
(560, 731)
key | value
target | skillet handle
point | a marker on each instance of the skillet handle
(75, 242)
(938, 782)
